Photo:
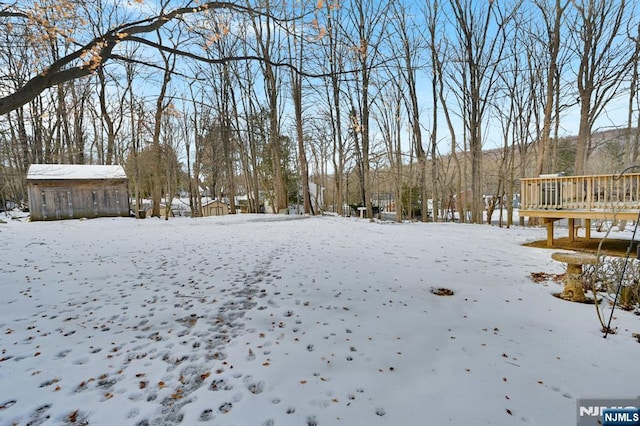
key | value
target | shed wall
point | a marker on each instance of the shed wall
(55, 200)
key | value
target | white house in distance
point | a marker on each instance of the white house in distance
(316, 193)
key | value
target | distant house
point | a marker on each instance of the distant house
(316, 193)
(316, 196)
(214, 208)
(148, 211)
(244, 202)
(66, 191)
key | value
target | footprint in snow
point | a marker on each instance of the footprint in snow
(206, 415)
(218, 385)
(226, 407)
(63, 354)
(256, 388)
(133, 413)
(7, 404)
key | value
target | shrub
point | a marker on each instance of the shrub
(609, 274)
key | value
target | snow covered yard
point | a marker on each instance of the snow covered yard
(282, 320)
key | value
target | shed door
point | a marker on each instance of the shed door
(57, 203)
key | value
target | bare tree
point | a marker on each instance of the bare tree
(451, 183)
(517, 105)
(369, 21)
(389, 117)
(333, 61)
(161, 105)
(251, 131)
(552, 19)
(136, 119)
(412, 44)
(479, 35)
(85, 60)
(432, 12)
(603, 54)
(268, 43)
(633, 137)
(221, 79)
(192, 133)
(296, 46)
(171, 136)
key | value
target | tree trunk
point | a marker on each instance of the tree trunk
(552, 81)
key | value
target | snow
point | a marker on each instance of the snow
(74, 171)
(294, 320)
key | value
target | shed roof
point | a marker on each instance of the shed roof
(74, 172)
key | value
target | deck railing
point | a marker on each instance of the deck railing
(595, 192)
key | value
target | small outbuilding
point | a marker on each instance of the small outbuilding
(214, 208)
(71, 191)
(148, 211)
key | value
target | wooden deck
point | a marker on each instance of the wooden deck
(595, 197)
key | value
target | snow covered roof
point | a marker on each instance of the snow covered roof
(74, 171)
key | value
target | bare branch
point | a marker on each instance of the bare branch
(99, 51)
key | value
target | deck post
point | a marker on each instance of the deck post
(549, 223)
(572, 229)
(587, 229)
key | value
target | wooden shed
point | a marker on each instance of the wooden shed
(214, 208)
(70, 191)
